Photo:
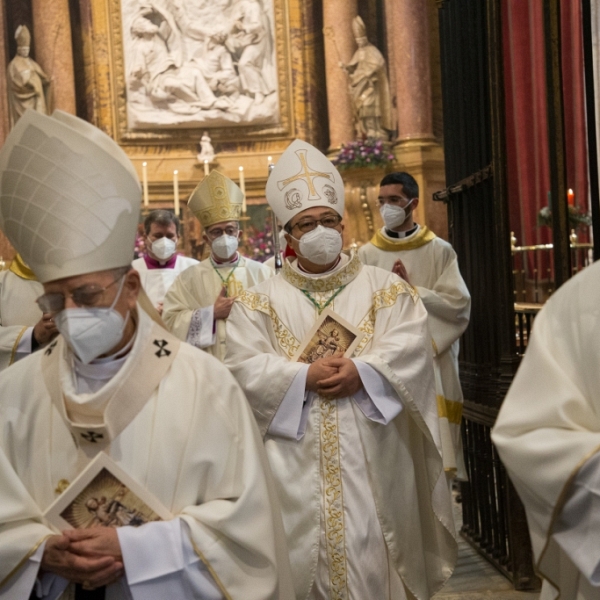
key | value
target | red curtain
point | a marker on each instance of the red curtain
(526, 113)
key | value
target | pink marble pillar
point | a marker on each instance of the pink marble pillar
(339, 46)
(408, 35)
(54, 51)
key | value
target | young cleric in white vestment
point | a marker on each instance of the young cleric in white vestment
(354, 444)
(116, 381)
(200, 300)
(548, 436)
(160, 264)
(23, 327)
(429, 264)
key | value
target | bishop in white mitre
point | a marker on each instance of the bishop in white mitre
(198, 303)
(548, 436)
(354, 443)
(115, 381)
(430, 265)
(23, 327)
(160, 264)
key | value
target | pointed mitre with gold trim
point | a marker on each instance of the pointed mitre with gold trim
(216, 199)
(69, 196)
(303, 178)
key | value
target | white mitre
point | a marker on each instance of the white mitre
(69, 196)
(303, 178)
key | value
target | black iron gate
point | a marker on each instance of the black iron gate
(471, 50)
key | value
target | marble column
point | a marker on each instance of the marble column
(408, 35)
(339, 46)
(4, 60)
(54, 51)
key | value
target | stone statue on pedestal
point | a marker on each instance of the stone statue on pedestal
(369, 88)
(207, 152)
(28, 85)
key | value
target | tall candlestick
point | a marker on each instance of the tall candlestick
(571, 197)
(243, 188)
(145, 183)
(176, 191)
(206, 168)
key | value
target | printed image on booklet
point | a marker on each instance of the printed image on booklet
(103, 495)
(331, 336)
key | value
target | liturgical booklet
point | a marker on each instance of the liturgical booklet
(103, 495)
(330, 337)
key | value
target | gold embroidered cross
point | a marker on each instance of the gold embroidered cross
(307, 174)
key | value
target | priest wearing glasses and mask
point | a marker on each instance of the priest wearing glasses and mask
(160, 264)
(115, 381)
(428, 263)
(199, 302)
(354, 443)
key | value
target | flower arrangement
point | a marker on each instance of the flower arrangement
(258, 244)
(139, 248)
(576, 217)
(363, 153)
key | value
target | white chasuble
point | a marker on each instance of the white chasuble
(18, 313)
(366, 508)
(548, 436)
(188, 306)
(156, 282)
(177, 422)
(432, 268)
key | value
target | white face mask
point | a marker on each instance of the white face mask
(393, 215)
(163, 248)
(225, 246)
(321, 246)
(89, 331)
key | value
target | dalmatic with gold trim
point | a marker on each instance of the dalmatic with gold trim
(366, 507)
(432, 268)
(176, 421)
(199, 286)
(19, 289)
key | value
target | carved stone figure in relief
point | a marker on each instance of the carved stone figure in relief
(200, 62)
(28, 85)
(369, 88)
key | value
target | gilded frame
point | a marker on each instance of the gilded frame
(105, 83)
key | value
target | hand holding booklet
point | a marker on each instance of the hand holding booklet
(104, 495)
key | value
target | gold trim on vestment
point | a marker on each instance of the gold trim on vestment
(451, 409)
(25, 558)
(327, 283)
(335, 534)
(20, 269)
(382, 299)
(424, 236)
(210, 570)
(16, 345)
(558, 509)
(260, 302)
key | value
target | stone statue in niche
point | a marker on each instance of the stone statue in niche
(369, 88)
(190, 63)
(207, 152)
(28, 85)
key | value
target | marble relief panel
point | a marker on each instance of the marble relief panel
(197, 63)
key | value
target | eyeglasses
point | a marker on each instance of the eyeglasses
(213, 234)
(329, 221)
(87, 295)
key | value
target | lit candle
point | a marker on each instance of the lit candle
(269, 160)
(176, 191)
(145, 183)
(243, 188)
(571, 197)
(206, 169)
